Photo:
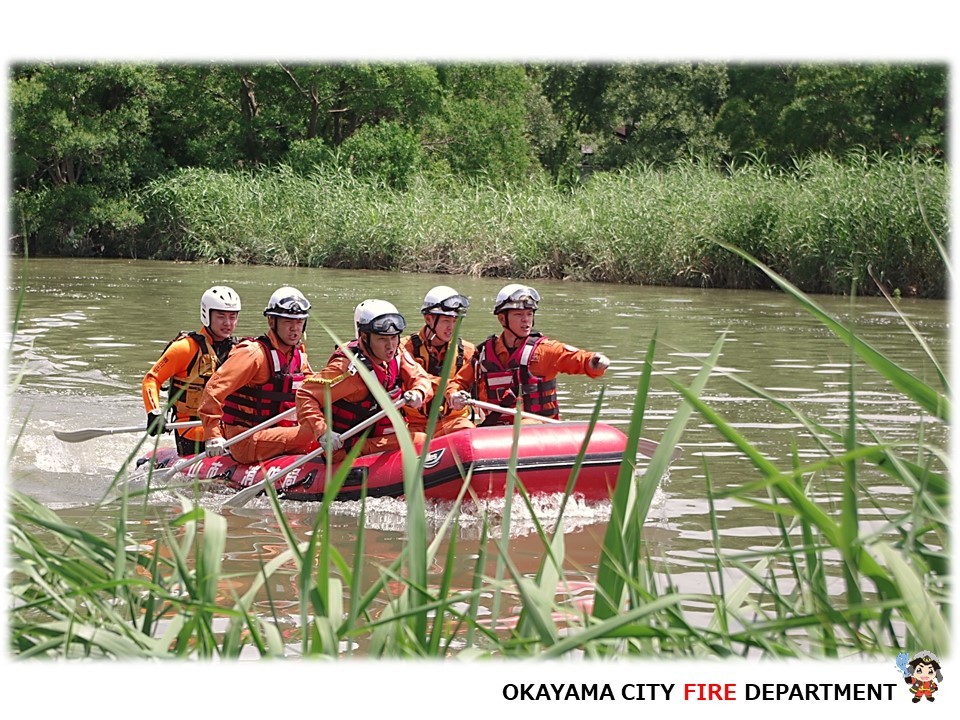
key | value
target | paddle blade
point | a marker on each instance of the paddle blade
(73, 436)
(648, 447)
(246, 495)
(91, 433)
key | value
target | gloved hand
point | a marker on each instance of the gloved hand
(331, 442)
(458, 400)
(413, 398)
(155, 416)
(599, 362)
(214, 447)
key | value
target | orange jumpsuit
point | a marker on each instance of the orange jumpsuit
(548, 359)
(347, 386)
(250, 366)
(184, 361)
(431, 359)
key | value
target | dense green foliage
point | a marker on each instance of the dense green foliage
(89, 140)
(821, 225)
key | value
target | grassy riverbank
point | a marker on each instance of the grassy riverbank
(821, 226)
(829, 584)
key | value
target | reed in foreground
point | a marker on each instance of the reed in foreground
(827, 586)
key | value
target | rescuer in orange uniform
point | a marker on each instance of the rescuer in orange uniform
(441, 307)
(259, 382)
(188, 362)
(378, 326)
(521, 363)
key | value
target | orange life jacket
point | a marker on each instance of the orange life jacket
(431, 363)
(185, 388)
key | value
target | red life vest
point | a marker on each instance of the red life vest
(251, 405)
(347, 415)
(503, 384)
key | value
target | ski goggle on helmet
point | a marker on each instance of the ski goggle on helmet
(516, 297)
(378, 317)
(443, 300)
(288, 302)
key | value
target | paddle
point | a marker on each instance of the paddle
(73, 436)
(188, 462)
(510, 411)
(646, 447)
(248, 493)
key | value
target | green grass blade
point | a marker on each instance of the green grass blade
(923, 394)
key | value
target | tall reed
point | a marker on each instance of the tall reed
(99, 593)
(820, 226)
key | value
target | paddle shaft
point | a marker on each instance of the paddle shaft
(644, 447)
(188, 462)
(510, 411)
(91, 433)
(248, 493)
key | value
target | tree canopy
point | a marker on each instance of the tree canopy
(85, 138)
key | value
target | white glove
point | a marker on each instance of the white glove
(214, 447)
(458, 400)
(599, 362)
(331, 442)
(413, 398)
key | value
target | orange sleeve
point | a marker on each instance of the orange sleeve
(245, 366)
(175, 359)
(466, 377)
(552, 358)
(346, 386)
(421, 413)
(304, 362)
(415, 377)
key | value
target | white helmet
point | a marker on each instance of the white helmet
(288, 302)
(219, 297)
(516, 297)
(443, 300)
(378, 316)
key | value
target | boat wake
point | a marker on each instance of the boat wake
(518, 520)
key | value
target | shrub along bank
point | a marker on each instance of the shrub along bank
(821, 225)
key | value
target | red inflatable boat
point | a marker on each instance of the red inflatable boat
(545, 458)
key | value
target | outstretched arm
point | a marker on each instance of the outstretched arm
(552, 358)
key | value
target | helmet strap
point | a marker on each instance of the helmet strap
(431, 329)
(272, 321)
(364, 338)
(367, 348)
(505, 324)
